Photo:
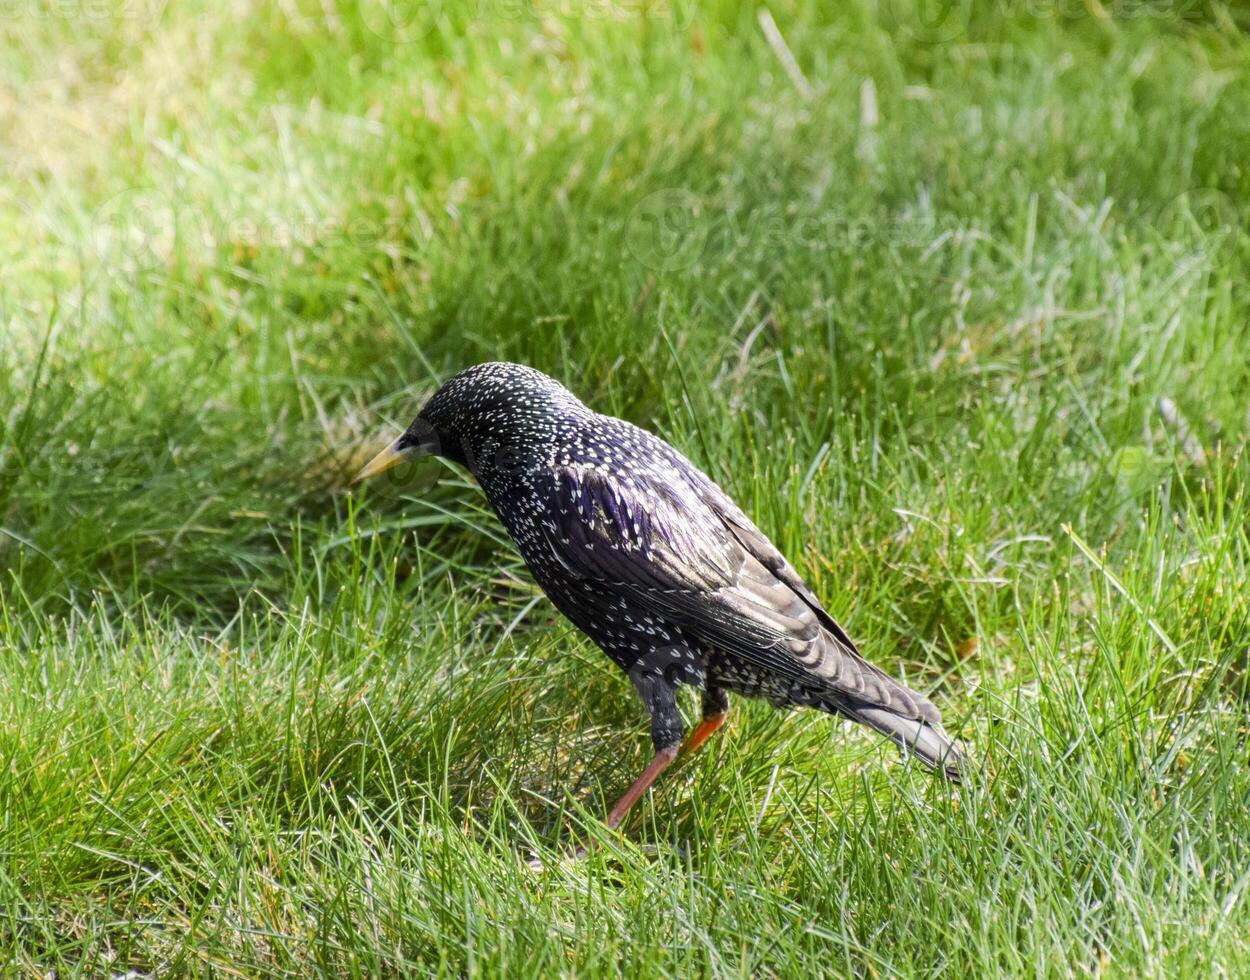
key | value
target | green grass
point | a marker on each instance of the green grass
(959, 316)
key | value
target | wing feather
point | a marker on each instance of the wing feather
(679, 547)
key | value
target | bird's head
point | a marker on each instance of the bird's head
(491, 417)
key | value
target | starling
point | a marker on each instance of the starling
(654, 562)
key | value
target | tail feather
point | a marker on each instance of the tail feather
(922, 737)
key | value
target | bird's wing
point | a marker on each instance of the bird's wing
(676, 546)
(765, 552)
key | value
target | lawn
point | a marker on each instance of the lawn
(951, 298)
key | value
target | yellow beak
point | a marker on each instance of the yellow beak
(382, 462)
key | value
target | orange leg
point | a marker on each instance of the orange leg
(705, 728)
(662, 761)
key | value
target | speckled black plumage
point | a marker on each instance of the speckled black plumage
(650, 558)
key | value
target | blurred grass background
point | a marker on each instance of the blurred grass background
(951, 297)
